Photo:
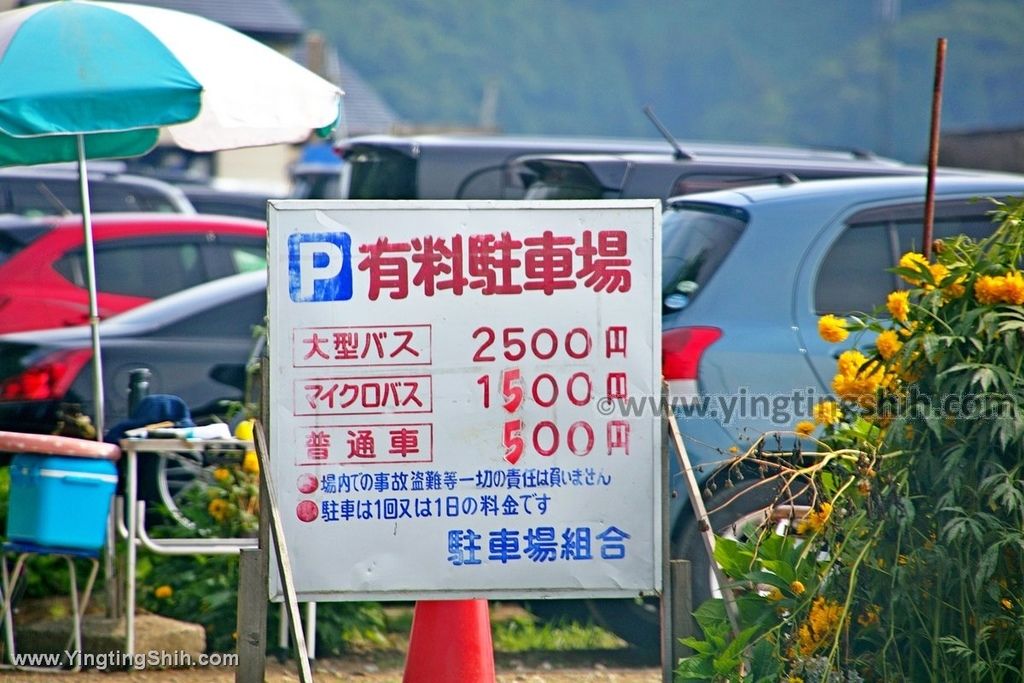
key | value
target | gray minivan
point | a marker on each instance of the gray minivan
(516, 167)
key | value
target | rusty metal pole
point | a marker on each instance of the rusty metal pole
(933, 148)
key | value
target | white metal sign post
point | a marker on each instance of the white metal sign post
(442, 382)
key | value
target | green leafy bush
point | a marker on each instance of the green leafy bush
(909, 564)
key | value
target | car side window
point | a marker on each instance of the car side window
(230, 255)
(114, 196)
(974, 226)
(853, 276)
(52, 196)
(233, 320)
(247, 259)
(482, 183)
(134, 268)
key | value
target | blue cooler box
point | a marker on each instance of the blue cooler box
(58, 501)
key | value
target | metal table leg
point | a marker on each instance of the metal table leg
(131, 491)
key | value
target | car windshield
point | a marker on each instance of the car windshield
(381, 174)
(14, 238)
(695, 239)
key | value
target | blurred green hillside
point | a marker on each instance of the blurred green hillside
(849, 73)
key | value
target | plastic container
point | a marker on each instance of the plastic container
(60, 502)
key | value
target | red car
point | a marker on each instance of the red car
(139, 257)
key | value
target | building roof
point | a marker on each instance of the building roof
(364, 110)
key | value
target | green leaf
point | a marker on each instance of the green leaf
(783, 571)
(956, 647)
(711, 618)
(765, 667)
(732, 556)
(697, 645)
(734, 651)
(1011, 326)
(984, 377)
(770, 578)
(986, 565)
(696, 668)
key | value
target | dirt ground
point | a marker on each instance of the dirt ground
(384, 664)
(580, 667)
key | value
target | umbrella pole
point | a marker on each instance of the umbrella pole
(90, 275)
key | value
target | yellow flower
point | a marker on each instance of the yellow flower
(804, 428)
(913, 261)
(827, 413)
(870, 616)
(774, 594)
(218, 509)
(855, 382)
(250, 463)
(221, 474)
(939, 273)
(815, 520)
(1000, 289)
(1013, 288)
(822, 623)
(797, 587)
(898, 304)
(850, 362)
(888, 344)
(988, 289)
(163, 592)
(832, 328)
(1007, 605)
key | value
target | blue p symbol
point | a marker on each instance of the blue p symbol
(320, 266)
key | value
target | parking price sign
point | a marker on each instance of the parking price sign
(442, 384)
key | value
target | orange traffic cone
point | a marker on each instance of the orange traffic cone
(450, 643)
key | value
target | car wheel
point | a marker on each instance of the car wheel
(731, 511)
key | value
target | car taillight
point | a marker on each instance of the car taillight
(681, 350)
(49, 379)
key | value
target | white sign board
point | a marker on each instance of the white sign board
(439, 397)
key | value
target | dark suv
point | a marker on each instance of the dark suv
(457, 166)
(698, 169)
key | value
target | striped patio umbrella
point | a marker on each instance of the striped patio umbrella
(89, 80)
